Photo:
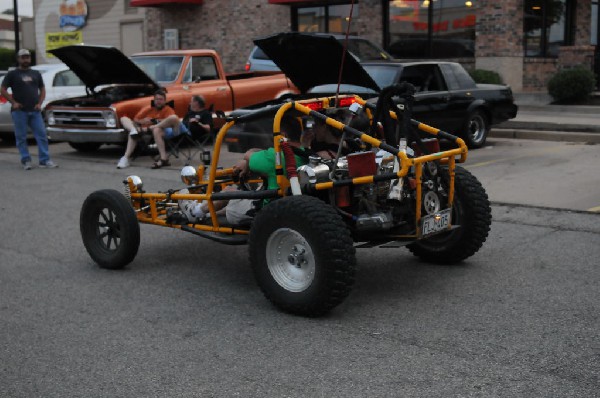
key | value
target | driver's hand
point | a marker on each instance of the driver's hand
(241, 168)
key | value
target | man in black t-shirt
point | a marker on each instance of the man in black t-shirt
(197, 122)
(28, 93)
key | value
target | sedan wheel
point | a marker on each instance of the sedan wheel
(476, 129)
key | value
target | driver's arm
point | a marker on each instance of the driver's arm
(242, 166)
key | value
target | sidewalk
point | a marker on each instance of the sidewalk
(578, 123)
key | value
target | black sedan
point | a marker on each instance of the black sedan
(446, 96)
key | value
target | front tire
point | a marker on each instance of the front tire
(302, 255)
(471, 210)
(109, 229)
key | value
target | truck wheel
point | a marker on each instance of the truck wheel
(302, 255)
(109, 229)
(476, 129)
(471, 211)
(85, 146)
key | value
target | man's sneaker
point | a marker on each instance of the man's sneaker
(191, 209)
(123, 163)
(48, 165)
(27, 165)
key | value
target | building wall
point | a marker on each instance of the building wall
(228, 26)
(499, 45)
(103, 25)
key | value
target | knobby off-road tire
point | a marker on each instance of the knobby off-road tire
(476, 129)
(109, 229)
(302, 255)
(471, 210)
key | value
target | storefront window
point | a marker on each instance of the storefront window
(547, 26)
(432, 29)
(327, 19)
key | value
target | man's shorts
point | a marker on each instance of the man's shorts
(174, 132)
(240, 211)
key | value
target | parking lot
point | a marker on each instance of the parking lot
(187, 319)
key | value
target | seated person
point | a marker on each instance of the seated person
(256, 161)
(326, 139)
(197, 122)
(146, 117)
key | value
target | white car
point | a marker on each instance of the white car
(60, 82)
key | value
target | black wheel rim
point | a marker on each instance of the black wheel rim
(108, 230)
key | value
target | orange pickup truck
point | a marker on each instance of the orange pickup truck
(119, 86)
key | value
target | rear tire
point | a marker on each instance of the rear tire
(471, 210)
(85, 146)
(302, 255)
(109, 229)
(476, 129)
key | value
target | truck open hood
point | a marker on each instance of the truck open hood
(310, 60)
(102, 65)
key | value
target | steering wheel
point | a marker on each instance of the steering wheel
(247, 183)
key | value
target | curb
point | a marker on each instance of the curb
(565, 136)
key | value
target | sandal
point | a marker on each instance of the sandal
(161, 163)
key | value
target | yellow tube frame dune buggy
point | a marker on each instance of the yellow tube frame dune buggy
(302, 242)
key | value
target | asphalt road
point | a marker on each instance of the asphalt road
(185, 319)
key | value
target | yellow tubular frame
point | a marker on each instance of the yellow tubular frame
(150, 213)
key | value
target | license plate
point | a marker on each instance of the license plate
(435, 223)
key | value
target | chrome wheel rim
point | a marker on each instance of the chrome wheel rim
(290, 260)
(431, 203)
(477, 128)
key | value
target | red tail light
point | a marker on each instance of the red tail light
(247, 67)
(347, 101)
(315, 106)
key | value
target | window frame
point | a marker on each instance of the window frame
(568, 32)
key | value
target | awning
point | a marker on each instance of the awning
(309, 2)
(156, 3)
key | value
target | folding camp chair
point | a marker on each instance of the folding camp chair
(188, 146)
(192, 144)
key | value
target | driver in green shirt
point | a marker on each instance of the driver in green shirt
(257, 161)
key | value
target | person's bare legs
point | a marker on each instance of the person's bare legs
(171, 121)
(159, 139)
(131, 144)
(128, 124)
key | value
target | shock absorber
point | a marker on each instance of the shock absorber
(290, 167)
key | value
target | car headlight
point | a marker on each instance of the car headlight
(110, 119)
(189, 175)
(51, 119)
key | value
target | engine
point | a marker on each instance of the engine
(379, 206)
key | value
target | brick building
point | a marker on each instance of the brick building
(526, 41)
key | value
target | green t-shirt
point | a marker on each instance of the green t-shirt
(263, 162)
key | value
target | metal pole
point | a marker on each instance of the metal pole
(430, 29)
(16, 21)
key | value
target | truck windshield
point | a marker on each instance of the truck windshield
(163, 69)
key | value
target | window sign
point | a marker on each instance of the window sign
(73, 15)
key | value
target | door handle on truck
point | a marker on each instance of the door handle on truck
(221, 88)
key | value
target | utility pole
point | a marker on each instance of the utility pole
(16, 21)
